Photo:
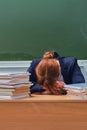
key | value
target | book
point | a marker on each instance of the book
(19, 85)
(14, 86)
(14, 78)
(24, 90)
(9, 93)
(14, 89)
(14, 81)
(14, 97)
(78, 86)
(77, 90)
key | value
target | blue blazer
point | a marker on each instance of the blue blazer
(69, 68)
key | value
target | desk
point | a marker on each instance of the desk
(43, 112)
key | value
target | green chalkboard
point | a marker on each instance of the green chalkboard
(28, 28)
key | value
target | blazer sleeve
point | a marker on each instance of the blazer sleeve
(71, 71)
(77, 76)
(31, 70)
(33, 78)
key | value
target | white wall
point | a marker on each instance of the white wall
(14, 66)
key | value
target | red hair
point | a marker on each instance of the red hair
(47, 73)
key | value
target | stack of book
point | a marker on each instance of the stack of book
(14, 86)
(77, 90)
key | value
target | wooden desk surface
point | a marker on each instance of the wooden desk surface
(53, 98)
(42, 112)
(47, 98)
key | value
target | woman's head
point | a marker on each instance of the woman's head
(50, 55)
(47, 72)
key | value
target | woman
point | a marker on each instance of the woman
(48, 71)
(70, 70)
